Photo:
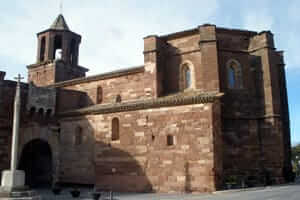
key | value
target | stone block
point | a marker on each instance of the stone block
(13, 179)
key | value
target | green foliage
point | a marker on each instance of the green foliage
(296, 159)
(231, 179)
(296, 152)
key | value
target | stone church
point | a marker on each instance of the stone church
(209, 104)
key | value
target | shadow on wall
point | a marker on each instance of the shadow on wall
(81, 159)
(36, 161)
(119, 171)
(88, 160)
(258, 140)
(140, 158)
(170, 71)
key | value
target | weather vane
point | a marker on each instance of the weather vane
(61, 7)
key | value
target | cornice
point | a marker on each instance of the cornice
(185, 98)
(36, 65)
(252, 117)
(108, 75)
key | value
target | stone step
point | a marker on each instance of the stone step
(22, 198)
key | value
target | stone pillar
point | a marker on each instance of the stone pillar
(274, 135)
(16, 125)
(209, 58)
(14, 178)
(152, 61)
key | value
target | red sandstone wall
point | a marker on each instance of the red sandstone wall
(253, 135)
(42, 75)
(130, 87)
(199, 49)
(71, 99)
(180, 50)
(141, 160)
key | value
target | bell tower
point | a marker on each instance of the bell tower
(57, 55)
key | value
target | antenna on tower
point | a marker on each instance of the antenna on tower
(61, 7)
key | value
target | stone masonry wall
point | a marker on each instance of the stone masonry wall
(241, 108)
(42, 74)
(141, 160)
(179, 51)
(129, 87)
(198, 49)
(252, 129)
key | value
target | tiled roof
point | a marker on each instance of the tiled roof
(183, 98)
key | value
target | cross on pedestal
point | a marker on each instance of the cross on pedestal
(16, 124)
(14, 178)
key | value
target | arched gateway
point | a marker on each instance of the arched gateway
(36, 161)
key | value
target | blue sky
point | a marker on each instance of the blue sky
(113, 31)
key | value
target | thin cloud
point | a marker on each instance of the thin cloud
(112, 31)
(293, 11)
(258, 21)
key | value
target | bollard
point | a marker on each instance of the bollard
(111, 195)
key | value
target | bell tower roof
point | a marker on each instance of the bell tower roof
(60, 23)
(58, 51)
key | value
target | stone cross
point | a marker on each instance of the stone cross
(13, 180)
(16, 125)
(19, 78)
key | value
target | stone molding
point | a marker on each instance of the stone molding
(40, 64)
(184, 98)
(218, 30)
(104, 76)
(47, 62)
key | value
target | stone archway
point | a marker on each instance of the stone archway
(36, 161)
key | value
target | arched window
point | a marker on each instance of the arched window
(118, 99)
(99, 94)
(231, 77)
(57, 47)
(32, 111)
(72, 52)
(41, 111)
(234, 75)
(115, 135)
(38, 76)
(78, 136)
(49, 112)
(42, 51)
(170, 140)
(186, 76)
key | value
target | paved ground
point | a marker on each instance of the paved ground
(290, 192)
